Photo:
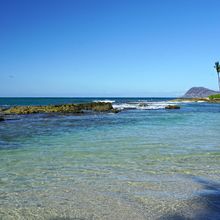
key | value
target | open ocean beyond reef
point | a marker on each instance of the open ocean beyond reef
(142, 163)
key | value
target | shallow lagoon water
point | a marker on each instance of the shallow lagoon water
(138, 164)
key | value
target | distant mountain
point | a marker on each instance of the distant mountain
(199, 92)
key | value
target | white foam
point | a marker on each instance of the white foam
(106, 101)
(142, 105)
(183, 101)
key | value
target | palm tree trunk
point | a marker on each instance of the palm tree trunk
(218, 81)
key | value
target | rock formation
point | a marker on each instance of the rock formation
(172, 107)
(199, 92)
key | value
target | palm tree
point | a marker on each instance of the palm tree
(217, 67)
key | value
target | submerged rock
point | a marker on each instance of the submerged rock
(172, 107)
(143, 105)
(66, 108)
(1, 118)
(115, 110)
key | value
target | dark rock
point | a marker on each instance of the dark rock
(115, 110)
(1, 118)
(143, 105)
(172, 107)
(199, 92)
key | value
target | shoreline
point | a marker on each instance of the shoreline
(196, 100)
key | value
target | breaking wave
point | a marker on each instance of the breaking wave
(142, 105)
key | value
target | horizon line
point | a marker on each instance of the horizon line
(88, 97)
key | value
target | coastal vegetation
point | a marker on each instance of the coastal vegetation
(213, 97)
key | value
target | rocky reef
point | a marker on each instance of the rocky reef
(66, 108)
(190, 100)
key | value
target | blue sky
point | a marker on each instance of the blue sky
(107, 47)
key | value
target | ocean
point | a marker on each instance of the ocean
(145, 162)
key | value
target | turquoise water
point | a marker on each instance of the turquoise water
(142, 163)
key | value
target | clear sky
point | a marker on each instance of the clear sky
(107, 47)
